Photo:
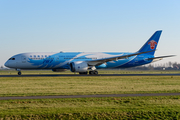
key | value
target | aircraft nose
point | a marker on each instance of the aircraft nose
(6, 64)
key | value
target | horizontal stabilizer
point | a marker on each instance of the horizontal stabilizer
(161, 57)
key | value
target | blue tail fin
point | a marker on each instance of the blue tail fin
(152, 43)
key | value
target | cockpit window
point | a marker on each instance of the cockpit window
(11, 58)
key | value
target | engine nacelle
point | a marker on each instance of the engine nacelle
(79, 66)
(58, 70)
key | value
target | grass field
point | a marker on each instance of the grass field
(93, 108)
(33, 86)
(90, 108)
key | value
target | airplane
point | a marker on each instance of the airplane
(83, 62)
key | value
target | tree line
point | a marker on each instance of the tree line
(161, 66)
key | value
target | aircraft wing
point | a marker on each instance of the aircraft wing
(160, 57)
(104, 60)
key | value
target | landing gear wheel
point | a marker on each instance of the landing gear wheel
(19, 73)
(96, 72)
(83, 73)
(93, 72)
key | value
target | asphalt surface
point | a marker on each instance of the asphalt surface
(90, 96)
(75, 75)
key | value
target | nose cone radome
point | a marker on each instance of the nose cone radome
(6, 64)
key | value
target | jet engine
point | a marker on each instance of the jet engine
(78, 66)
(59, 70)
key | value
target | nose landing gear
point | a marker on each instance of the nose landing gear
(19, 71)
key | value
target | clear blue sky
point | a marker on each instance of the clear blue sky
(88, 26)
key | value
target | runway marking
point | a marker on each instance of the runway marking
(77, 75)
(90, 96)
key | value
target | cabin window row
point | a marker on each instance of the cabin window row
(79, 58)
(42, 58)
(38, 56)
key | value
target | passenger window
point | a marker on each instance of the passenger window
(38, 55)
(34, 55)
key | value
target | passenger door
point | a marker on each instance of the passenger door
(57, 59)
(23, 58)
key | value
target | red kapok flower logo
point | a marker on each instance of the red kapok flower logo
(152, 44)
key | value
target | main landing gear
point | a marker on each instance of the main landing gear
(93, 72)
(83, 73)
(90, 72)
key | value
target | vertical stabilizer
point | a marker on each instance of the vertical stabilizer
(152, 43)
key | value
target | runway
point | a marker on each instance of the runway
(77, 75)
(90, 96)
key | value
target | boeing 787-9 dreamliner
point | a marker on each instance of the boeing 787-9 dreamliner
(82, 62)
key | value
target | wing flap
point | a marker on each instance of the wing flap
(101, 61)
